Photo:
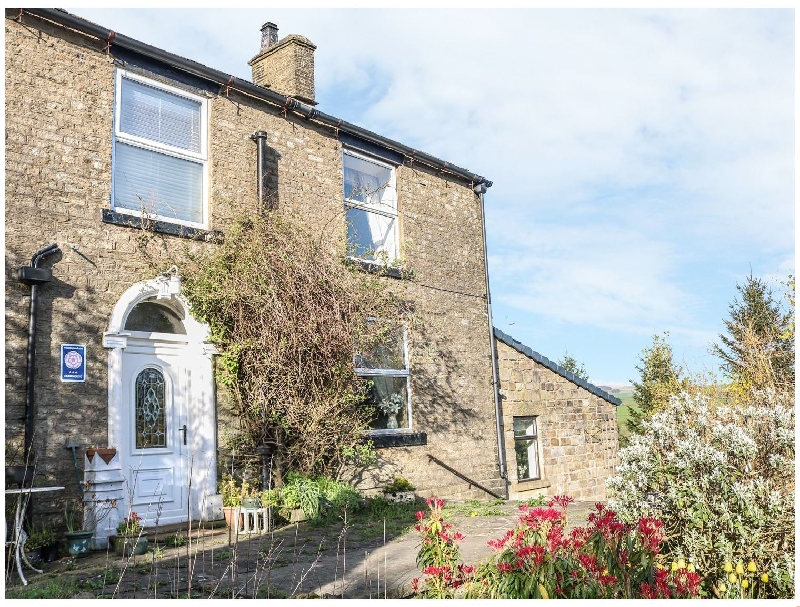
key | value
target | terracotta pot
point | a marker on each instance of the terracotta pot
(231, 513)
(106, 454)
(298, 516)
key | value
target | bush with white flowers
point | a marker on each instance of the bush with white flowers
(721, 479)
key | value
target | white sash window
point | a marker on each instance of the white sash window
(370, 200)
(160, 151)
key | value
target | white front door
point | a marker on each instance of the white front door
(156, 393)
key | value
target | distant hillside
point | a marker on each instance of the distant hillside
(615, 390)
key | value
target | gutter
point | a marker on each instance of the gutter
(480, 190)
(228, 82)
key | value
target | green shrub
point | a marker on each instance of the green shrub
(722, 481)
(320, 498)
(399, 484)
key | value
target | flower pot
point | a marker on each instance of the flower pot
(34, 555)
(19, 475)
(251, 502)
(50, 553)
(126, 545)
(231, 514)
(400, 496)
(106, 454)
(79, 543)
(298, 516)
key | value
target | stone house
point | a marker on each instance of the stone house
(118, 156)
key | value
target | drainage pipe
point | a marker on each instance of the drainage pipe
(480, 190)
(260, 137)
(33, 276)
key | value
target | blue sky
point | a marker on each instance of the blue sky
(642, 159)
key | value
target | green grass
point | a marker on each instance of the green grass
(53, 590)
(476, 508)
(624, 411)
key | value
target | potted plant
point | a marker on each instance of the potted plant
(390, 407)
(130, 537)
(231, 499)
(79, 541)
(43, 543)
(399, 490)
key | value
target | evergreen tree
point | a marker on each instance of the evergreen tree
(758, 350)
(568, 363)
(660, 379)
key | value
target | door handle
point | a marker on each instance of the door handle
(183, 429)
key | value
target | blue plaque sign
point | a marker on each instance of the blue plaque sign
(73, 362)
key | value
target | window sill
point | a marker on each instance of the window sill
(530, 485)
(399, 439)
(379, 268)
(162, 227)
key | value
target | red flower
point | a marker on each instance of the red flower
(647, 591)
(505, 567)
(458, 536)
(431, 570)
(420, 515)
(415, 584)
(434, 503)
(561, 500)
(536, 517)
(652, 532)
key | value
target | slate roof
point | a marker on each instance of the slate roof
(543, 360)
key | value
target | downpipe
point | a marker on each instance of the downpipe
(33, 276)
(480, 190)
(260, 137)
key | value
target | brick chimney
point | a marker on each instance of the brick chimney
(285, 66)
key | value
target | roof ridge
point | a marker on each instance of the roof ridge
(543, 360)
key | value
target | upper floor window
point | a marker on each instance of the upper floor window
(385, 366)
(160, 151)
(370, 201)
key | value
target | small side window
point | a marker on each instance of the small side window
(526, 448)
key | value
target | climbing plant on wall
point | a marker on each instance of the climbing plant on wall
(285, 310)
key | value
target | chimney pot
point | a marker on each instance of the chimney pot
(269, 35)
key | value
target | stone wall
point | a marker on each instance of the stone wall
(59, 115)
(577, 430)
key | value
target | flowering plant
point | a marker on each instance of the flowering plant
(721, 479)
(438, 556)
(540, 559)
(130, 525)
